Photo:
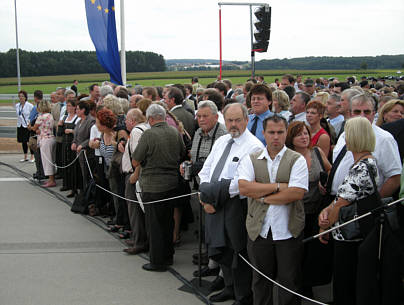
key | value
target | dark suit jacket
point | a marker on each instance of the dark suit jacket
(186, 118)
(397, 130)
(82, 132)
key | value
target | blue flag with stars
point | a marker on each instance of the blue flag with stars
(102, 28)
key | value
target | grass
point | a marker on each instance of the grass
(48, 84)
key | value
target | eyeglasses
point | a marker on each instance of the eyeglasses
(365, 112)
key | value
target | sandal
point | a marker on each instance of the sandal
(124, 235)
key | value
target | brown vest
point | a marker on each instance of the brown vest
(257, 210)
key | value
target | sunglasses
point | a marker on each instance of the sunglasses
(365, 112)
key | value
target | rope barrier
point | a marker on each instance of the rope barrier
(63, 167)
(279, 285)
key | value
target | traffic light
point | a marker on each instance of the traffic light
(263, 28)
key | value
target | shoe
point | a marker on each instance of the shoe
(124, 235)
(49, 184)
(31, 161)
(64, 189)
(156, 268)
(225, 295)
(129, 242)
(114, 229)
(204, 261)
(23, 160)
(196, 255)
(217, 284)
(134, 251)
(206, 271)
(169, 262)
(71, 195)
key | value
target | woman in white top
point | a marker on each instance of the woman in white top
(23, 110)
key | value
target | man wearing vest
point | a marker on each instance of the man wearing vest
(275, 180)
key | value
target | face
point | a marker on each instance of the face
(259, 103)
(53, 98)
(60, 96)
(129, 122)
(364, 110)
(396, 113)
(325, 82)
(80, 112)
(299, 79)
(275, 135)
(284, 82)
(235, 121)
(337, 90)
(275, 106)
(312, 116)
(309, 89)
(169, 101)
(145, 95)
(344, 105)
(302, 139)
(332, 107)
(21, 97)
(132, 102)
(96, 92)
(206, 120)
(297, 104)
(70, 108)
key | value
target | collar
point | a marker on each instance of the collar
(242, 138)
(160, 124)
(175, 107)
(210, 132)
(263, 115)
(265, 155)
(300, 115)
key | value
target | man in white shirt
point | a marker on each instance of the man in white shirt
(386, 152)
(334, 118)
(275, 180)
(298, 107)
(226, 211)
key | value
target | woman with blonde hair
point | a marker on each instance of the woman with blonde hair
(322, 97)
(357, 187)
(46, 141)
(392, 111)
(280, 103)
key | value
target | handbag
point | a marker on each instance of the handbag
(33, 143)
(360, 229)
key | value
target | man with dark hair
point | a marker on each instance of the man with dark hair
(309, 88)
(174, 99)
(187, 104)
(214, 96)
(298, 107)
(195, 84)
(229, 89)
(38, 96)
(221, 88)
(123, 93)
(275, 219)
(364, 84)
(339, 87)
(287, 80)
(261, 101)
(150, 93)
(74, 86)
(290, 91)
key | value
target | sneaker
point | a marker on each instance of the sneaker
(23, 160)
(32, 161)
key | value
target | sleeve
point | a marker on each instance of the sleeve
(245, 171)
(391, 165)
(299, 176)
(357, 184)
(39, 120)
(84, 144)
(141, 149)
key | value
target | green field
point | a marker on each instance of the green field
(48, 84)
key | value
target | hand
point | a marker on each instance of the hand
(209, 208)
(133, 178)
(323, 221)
(60, 123)
(322, 189)
(121, 147)
(182, 170)
(73, 147)
(79, 148)
(324, 238)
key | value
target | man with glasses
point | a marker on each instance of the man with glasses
(386, 151)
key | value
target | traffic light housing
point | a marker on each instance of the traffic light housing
(263, 28)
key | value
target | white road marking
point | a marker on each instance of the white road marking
(13, 179)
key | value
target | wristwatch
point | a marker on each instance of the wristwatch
(262, 200)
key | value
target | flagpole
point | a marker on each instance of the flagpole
(123, 51)
(16, 42)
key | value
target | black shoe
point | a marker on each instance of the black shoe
(217, 284)
(196, 255)
(156, 268)
(71, 195)
(225, 295)
(64, 189)
(206, 271)
(204, 260)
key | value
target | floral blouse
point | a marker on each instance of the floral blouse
(45, 122)
(356, 185)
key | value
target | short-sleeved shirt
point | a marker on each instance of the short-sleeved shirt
(204, 142)
(160, 151)
(45, 125)
(357, 185)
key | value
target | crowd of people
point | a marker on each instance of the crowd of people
(273, 164)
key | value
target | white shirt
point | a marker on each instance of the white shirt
(277, 216)
(243, 145)
(301, 117)
(95, 133)
(23, 113)
(220, 118)
(386, 155)
(134, 138)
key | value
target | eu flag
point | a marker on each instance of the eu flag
(102, 28)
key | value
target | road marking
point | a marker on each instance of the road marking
(16, 179)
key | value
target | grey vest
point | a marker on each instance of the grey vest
(257, 210)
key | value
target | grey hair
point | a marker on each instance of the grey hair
(241, 106)
(105, 90)
(362, 99)
(208, 104)
(69, 91)
(238, 91)
(350, 93)
(125, 104)
(335, 97)
(156, 112)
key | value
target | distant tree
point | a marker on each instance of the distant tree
(364, 65)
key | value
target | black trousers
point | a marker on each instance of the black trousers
(160, 226)
(136, 217)
(279, 260)
(38, 163)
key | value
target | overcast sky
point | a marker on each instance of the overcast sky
(189, 28)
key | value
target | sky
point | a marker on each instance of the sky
(190, 28)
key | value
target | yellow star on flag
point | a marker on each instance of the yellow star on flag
(92, 1)
(113, 8)
(99, 7)
(106, 10)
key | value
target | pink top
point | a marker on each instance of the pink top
(45, 122)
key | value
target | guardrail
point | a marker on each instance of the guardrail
(14, 97)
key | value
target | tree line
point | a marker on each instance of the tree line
(73, 62)
(333, 63)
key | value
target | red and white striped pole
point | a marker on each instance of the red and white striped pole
(220, 41)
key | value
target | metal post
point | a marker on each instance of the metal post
(123, 51)
(220, 42)
(252, 46)
(16, 42)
